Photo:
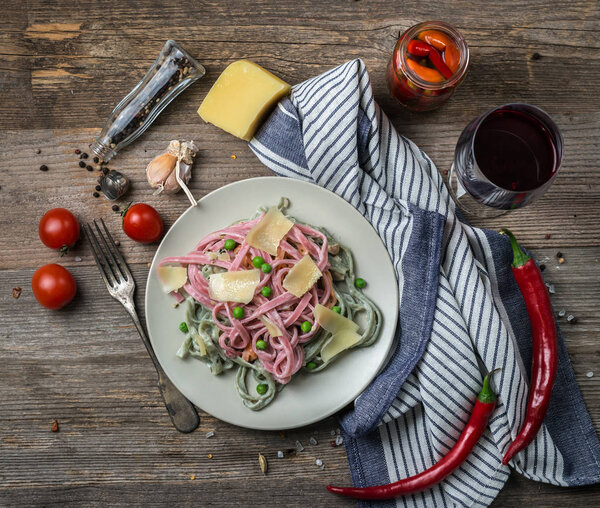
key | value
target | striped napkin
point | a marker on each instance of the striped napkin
(458, 301)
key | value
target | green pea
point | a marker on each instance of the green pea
(183, 327)
(229, 244)
(262, 388)
(306, 326)
(360, 283)
(266, 292)
(266, 267)
(261, 344)
(238, 312)
(258, 261)
(337, 309)
(311, 365)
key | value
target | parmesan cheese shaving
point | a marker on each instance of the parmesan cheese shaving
(342, 340)
(302, 276)
(272, 328)
(332, 321)
(222, 256)
(238, 287)
(268, 232)
(172, 277)
(200, 343)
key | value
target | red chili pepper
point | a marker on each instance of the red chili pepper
(445, 44)
(420, 48)
(425, 73)
(483, 409)
(544, 355)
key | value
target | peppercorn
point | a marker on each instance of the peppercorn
(98, 188)
(559, 254)
(96, 160)
(84, 155)
(105, 170)
(77, 151)
(81, 164)
(96, 195)
(536, 56)
(542, 268)
(115, 208)
(43, 167)
(89, 168)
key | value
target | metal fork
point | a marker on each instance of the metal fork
(121, 286)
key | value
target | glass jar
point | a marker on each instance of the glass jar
(172, 72)
(414, 91)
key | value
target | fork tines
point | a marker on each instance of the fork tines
(112, 266)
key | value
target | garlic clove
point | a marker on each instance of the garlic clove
(171, 185)
(160, 169)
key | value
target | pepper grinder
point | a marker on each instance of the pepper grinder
(172, 72)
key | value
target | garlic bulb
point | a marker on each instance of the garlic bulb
(172, 170)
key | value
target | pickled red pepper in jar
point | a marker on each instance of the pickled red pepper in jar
(429, 61)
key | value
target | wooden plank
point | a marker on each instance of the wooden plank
(65, 65)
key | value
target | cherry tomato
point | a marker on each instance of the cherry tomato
(53, 286)
(142, 223)
(59, 229)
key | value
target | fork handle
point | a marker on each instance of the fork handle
(181, 411)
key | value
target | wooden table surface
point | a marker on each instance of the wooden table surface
(65, 66)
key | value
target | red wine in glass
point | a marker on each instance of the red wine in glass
(506, 158)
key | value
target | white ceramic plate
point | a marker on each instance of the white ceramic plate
(308, 398)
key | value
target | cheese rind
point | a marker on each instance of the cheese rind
(268, 232)
(302, 276)
(238, 287)
(241, 98)
(171, 277)
(332, 321)
(340, 341)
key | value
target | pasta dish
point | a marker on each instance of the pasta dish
(271, 297)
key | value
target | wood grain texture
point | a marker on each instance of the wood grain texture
(65, 65)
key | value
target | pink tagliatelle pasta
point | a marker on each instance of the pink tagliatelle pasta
(283, 356)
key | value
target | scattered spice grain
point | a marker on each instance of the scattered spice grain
(96, 195)
(43, 167)
(16, 292)
(262, 461)
(54, 427)
(77, 151)
(81, 164)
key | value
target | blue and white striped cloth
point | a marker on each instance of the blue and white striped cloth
(458, 301)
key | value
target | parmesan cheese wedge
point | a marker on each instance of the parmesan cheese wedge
(241, 98)
(272, 328)
(302, 276)
(236, 287)
(332, 321)
(340, 341)
(172, 277)
(268, 232)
